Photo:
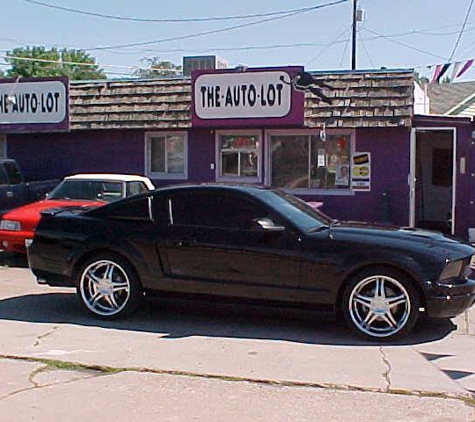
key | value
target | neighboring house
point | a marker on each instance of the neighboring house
(452, 99)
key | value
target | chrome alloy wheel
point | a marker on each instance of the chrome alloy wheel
(105, 287)
(379, 306)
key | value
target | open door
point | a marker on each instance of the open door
(432, 179)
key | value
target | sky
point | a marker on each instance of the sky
(393, 34)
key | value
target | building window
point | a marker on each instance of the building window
(166, 155)
(239, 156)
(307, 162)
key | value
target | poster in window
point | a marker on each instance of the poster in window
(342, 176)
(321, 158)
(361, 171)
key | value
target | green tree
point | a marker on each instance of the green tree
(156, 68)
(39, 61)
(421, 80)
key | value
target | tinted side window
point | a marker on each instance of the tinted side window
(134, 188)
(214, 209)
(160, 209)
(131, 210)
(13, 172)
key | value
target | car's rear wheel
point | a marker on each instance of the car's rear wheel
(380, 304)
(108, 286)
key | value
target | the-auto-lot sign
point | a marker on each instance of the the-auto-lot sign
(260, 96)
(34, 105)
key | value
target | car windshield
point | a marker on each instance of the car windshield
(92, 190)
(303, 215)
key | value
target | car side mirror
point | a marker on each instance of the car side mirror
(268, 225)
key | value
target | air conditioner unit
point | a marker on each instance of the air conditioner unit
(191, 63)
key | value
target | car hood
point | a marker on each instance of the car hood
(401, 237)
(29, 215)
(383, 230)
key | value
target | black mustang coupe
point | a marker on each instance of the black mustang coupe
(249, 243)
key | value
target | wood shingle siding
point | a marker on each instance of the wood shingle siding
(363, 99)
(360, 99)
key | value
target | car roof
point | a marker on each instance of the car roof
(253, 190)
(112, 177)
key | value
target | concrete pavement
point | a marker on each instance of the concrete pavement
(218, 362)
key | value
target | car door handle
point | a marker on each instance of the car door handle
(9, 193)
(184, 242)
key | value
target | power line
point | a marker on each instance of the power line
(404, 44)
(335, 41)
(32, 59)
(108, 72)
(264, 47)
(217, 31)
(176, 20)
(344, 51)
(461, 30)
(366, 51)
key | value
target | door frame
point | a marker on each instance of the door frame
(412, 171)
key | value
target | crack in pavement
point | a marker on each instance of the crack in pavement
(467, 322)
(386, 375)
(42, 336)
(37, 371)
(467, 399)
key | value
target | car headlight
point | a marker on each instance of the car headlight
(10, 225)
(452, 270)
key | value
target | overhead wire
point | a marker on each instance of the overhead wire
(33, 59)
(169, 20)
(365, 50)
(335, 41)
(215, 31)
(461, 30)
(404, 44)
(108, 72)
(344, 51)
(263, 47)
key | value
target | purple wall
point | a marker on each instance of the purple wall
(55, 155)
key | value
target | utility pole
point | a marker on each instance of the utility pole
(353, 38)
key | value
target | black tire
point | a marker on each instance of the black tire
(380, 314)
(108, 286)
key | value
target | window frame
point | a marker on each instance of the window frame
(307, 132)
(148, 156)
(260, 159)
(3, 145)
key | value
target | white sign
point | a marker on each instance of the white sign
(242, 95)
(361, 171)
(33, 102)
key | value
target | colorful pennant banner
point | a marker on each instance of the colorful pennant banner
(458, 69)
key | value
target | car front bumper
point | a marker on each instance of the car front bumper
(451, 299)
(14, 241)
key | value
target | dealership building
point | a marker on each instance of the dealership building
(362, 143)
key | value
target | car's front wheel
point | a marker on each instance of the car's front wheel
(380, 304)
(108, 286)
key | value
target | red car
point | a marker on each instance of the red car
(18, 225)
